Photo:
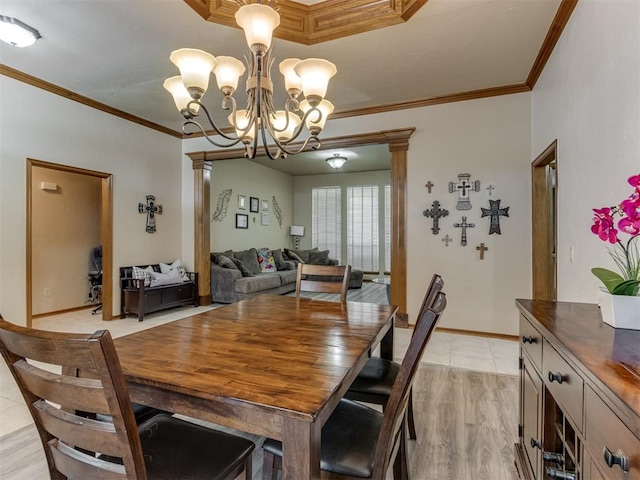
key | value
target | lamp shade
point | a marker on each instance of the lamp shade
(180, 94)
(282, 130)
(315, 74)
(292, 82)
(296, 231)
(240, 123)
(313, 123)
(228, 70)
(258, 22)
(195, 67)
(337, 161)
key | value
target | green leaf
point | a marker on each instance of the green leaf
(610, 279)
(628, 287)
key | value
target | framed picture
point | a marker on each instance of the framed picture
(242, 220)
(265, 205)
(254, 204)
(264, 218)
(242, 202)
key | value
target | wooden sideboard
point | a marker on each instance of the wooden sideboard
(579, 394)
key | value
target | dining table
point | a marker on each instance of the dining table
(274, 366)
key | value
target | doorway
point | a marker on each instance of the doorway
(105, 237)
(544, 189)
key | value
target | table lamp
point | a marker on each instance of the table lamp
(296, 232)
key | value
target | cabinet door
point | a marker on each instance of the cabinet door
(531, 394)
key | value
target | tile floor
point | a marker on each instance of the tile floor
(482, 354)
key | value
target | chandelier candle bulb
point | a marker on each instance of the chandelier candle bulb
(195, 68)
(228, 71)
(258, 22)
(181, 96)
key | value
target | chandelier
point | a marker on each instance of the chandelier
(259, 121)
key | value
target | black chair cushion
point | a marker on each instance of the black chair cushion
(349, 440)
(376, 377)
(141, 412)
(175, 449)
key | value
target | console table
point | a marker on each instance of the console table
(579, 394)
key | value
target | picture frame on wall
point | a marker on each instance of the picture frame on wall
(242, 202)
(242, 220)
(265, 205)
(254, 204)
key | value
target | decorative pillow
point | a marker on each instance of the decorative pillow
(143, 273)
(226, 253)
(249, 258)
(244, 270)
(303, 254)
(279, 259)
(266, 260)
(294, 256)
(224, 261)
(177, 265)
(170, 278)
(319, 258)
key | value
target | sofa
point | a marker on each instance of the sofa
(238, 275)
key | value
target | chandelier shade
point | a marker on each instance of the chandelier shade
(259, 121)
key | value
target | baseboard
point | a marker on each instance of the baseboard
(474, 333)
(66, 310)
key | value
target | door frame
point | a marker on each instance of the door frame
(544, 239)
(106, 233)
(398, 143)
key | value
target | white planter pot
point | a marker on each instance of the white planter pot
(620, 311)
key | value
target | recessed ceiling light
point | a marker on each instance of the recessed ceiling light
(16, 33)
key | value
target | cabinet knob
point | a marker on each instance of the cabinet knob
(527, 339)
(535, 443)
(617, 458)
(556, 377)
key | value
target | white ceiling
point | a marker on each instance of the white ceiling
(117, 51)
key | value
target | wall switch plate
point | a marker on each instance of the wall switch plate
(47, 292)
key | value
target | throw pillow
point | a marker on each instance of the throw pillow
(279, 259)
(224, 262)
(294, 256)
(319, 258)
(142, 274)
(266, 260)
(177, 265)
(249, 258)
(226, 253)
(304, 254)
(244, 270)
(170, 278)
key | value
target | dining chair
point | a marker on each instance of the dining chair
(307, 279)
(375, 381)
(360, 442)
(163, 447)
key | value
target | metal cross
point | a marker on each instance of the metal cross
(429, 185)
(436, 213)
(491, 188)
(446, 239)
(482, 249)
(151, 209)
(463, 187)
(464, 225)
(495, 212)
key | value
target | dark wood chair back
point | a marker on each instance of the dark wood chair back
(307, 279)
(435, 286)
(67, 437)
(393, 430)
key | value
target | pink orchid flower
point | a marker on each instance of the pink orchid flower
(604, 226)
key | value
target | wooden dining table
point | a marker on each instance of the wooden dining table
(274, 366)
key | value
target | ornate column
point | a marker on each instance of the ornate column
(202, 229)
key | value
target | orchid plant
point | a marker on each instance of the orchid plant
(625, 252)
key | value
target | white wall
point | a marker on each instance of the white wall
(588, 99)
(40, 125)
(250, 179)
(489, 138)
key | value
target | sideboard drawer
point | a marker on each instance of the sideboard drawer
(607, 436)
(531, 342)
(566, 386)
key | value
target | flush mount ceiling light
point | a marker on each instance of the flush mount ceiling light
(260, 118)
(16, 33)
(337, 161)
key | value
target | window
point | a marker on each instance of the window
(363, 227)
(326, 211)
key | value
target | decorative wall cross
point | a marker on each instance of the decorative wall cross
(151, 209)
(464, 225)
(447, 239)
(491, 188)
(463, 187)
(495, 212)
(482, 249)
(429, 185)
(436, 213)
